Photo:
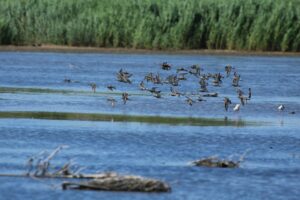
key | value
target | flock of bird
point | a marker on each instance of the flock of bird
(175, 79)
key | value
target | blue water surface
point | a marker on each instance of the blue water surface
(271, 167)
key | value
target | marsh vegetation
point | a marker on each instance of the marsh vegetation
(263, 25)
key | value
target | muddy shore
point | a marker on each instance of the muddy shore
(72, 49)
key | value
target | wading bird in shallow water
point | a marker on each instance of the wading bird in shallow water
(237, 107)
(227, 101)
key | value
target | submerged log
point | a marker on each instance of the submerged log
(115, 182)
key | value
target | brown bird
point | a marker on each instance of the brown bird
(227, 101)
(189, 101)
(123, 76)
(125, 97)
(112, 101)
(93, 86)
(165, 66)
(175, 92)
(142, 86)
(111, 87)
(228, 69)
(249, 93)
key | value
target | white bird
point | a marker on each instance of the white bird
(237, 107)
(281, 107)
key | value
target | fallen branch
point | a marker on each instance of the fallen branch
(40, 167)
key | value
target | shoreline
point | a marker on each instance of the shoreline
(73, 49)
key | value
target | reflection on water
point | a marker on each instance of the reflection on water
(151, 137)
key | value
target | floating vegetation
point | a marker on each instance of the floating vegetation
(215, 161)
(128, 118)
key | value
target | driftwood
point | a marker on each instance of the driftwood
(214, 161)
(39, 167)
(115, 182)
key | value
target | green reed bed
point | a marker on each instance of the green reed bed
(272, 25)
(125, 118)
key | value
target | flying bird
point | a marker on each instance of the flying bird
(237, 107)
(227, 101)
(281, 107)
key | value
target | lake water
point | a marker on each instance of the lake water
(35, 82)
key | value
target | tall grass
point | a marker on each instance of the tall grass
(272, 25)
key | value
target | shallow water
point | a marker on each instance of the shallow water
(164, 151)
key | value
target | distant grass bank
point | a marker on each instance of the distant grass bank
(247, 25)
(126, 118)
(124, 50)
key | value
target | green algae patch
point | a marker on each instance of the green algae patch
(32, 90)
(127, 118)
